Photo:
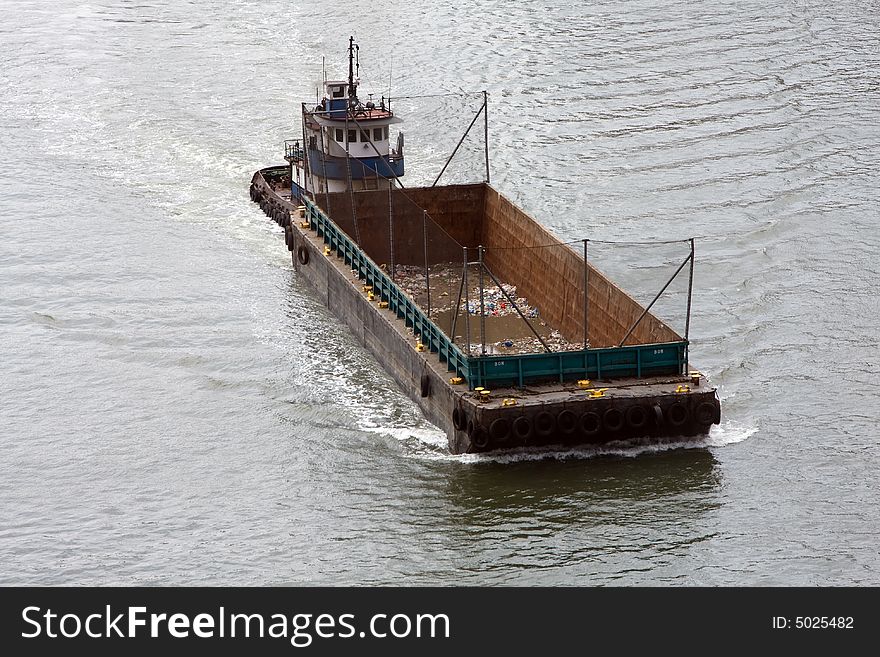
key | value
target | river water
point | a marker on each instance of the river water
(178, 408)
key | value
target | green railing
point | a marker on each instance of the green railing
(607, 363)
(510, 370)
(386, 290)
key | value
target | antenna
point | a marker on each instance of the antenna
(324, 68)
(352, 89)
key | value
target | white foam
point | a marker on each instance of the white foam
(728, 433)
(429, 437)
(430, 443)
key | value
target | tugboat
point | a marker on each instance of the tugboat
(586, 364)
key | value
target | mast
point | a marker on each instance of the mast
(353, 61)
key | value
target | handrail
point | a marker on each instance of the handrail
(385, 289)
(293, 149)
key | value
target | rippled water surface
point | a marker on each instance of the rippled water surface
(178, 408)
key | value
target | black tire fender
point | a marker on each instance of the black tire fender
(544, 423)
(636, 417)
(677, 414)
(302, 255)
(425, 384)
(567, 422)
(499, 430)
(480, 438)
(613, 419)
(658, 414)
(705, 414)
(590, 423)
(522, 427)
(458, 419)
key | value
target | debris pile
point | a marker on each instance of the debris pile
(506, 332)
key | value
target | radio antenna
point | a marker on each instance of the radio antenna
(353, 57)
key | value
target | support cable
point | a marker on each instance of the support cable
(645, 311)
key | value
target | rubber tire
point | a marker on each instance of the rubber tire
(613, 420)
(677, 414)
(480, 439)
(705, 414)
(658, 415)
(302, 255)
(567, 422)
(522, 428)
(425, 384)
(636, 417)
(499, 430)
(590, 424)
(544, 423)
(458, 418)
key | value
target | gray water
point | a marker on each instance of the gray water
(176, 407)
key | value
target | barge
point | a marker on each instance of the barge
(504, 336)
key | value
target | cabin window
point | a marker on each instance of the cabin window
(365, 136)
(336, 92)
(340, 135)
(377, 134)
(386, 132)
(352, 136)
